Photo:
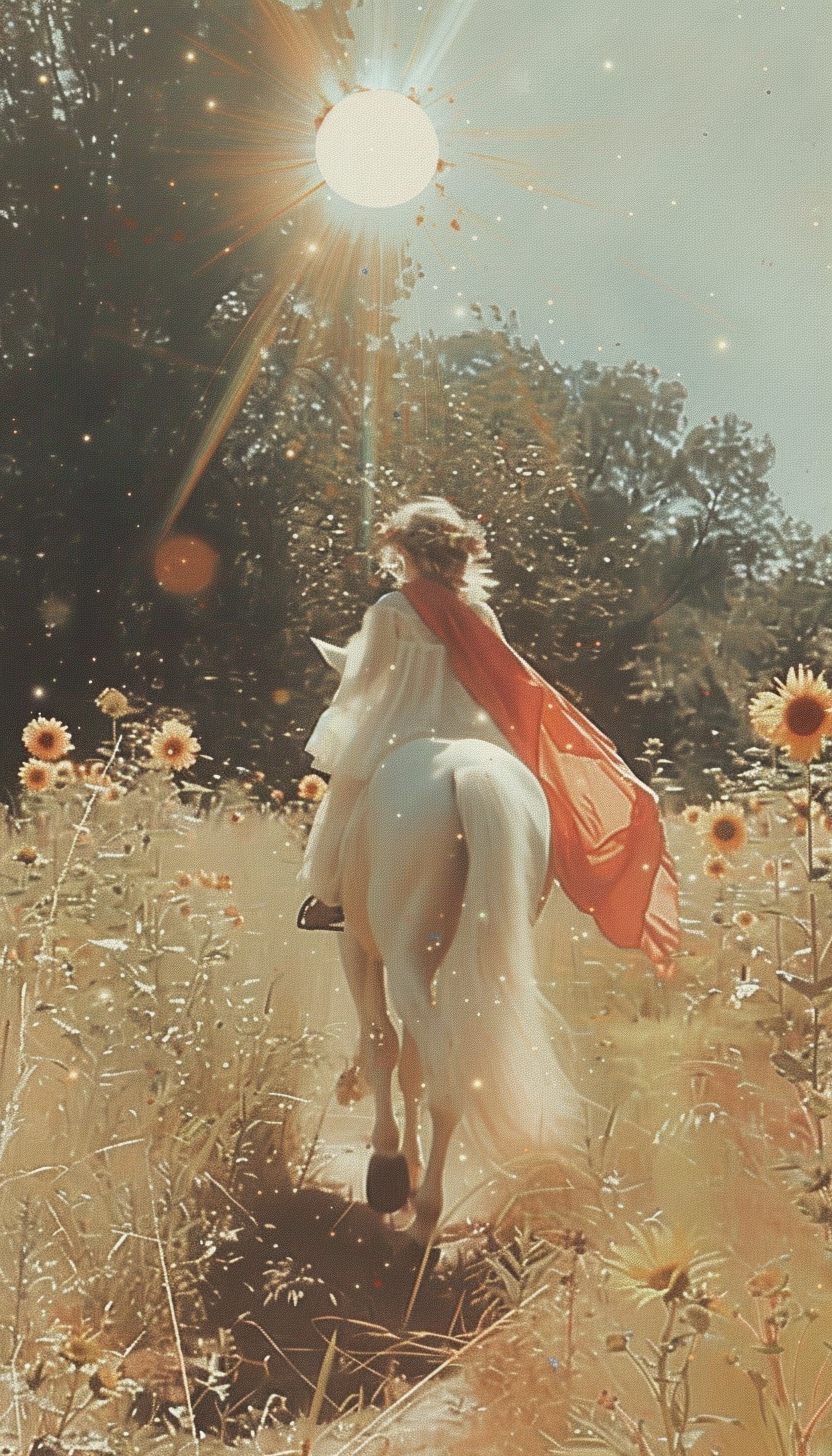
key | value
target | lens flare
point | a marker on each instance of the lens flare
(185, 565)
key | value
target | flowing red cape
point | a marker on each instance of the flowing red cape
(608, 849)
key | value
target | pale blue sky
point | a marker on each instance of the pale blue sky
(709, 122)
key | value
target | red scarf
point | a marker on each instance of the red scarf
(608, 849)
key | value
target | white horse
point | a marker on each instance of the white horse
(444, 862)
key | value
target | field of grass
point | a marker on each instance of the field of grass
(170, 1055)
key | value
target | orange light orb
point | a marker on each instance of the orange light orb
(185, 565)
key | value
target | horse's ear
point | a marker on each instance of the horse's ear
(333, 656)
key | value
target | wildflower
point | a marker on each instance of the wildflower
(744, 919)
(174, 744)
(717, 867)
(277, 796)
(770, 869)
(80, 1348)
(692, 814)
(104, 1381)
(46, 738)
(36, 776)
(232, 913)
(182, 879)
(659, 1262)
(767, 1283)
(606, 1401)
(64, 773)
(113, 703)
(27, 855)
(352, 1086)
(222, 882)
(726, 828)
(94, 774)
(797, 716)
(803, 807)
(312, 788)
(698, 1318)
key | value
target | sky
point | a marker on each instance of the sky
(696, 138)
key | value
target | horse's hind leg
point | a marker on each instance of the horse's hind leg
(409, 939)
(387, 1179)
(410, 1081)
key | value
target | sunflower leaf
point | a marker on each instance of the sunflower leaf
(790, 1067)
(810, 989)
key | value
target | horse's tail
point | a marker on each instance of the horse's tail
(504, 1076)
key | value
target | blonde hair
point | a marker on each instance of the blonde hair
(444, 546)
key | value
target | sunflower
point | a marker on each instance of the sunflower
(312, 788)
(113, 703)
(797, 716)
(47, 739)
(726, 829)
(660, 1262)
(744, 919)
(36, 776)
(717, 867)
(93, 773)
(174, 744)
(802, 808)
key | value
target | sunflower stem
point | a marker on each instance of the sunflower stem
(663, 1378)
(809, 835)
(778, 936)
(813, 922)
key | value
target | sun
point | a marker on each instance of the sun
(377, 149)
(333, 183)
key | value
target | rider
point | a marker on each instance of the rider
(397, 683)
(431, 661)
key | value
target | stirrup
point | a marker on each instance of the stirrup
(313, 900)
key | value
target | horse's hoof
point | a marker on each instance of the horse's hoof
(388, 1183)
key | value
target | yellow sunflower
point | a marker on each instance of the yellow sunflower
(717, 867)
(660, 1262)
(726, 829)
(312, 788)
(174, 745)
(744, 919)
(36, 776)
(797, 716)
(47, 739)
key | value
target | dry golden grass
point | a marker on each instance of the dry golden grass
(165, 1030)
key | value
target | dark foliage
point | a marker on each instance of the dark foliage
(644, 565)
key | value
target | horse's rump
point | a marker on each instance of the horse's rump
(446, 857)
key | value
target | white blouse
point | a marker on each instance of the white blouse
(397, 685)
